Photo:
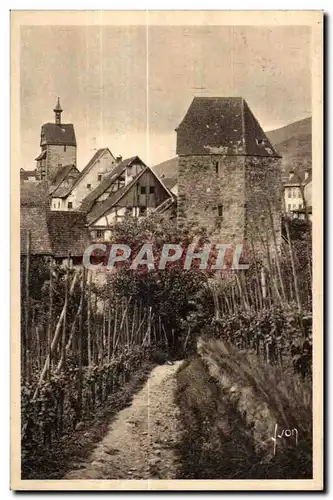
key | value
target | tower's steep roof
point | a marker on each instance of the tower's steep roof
(62, 134)
(221, 125)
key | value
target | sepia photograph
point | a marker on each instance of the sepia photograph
(166, 251)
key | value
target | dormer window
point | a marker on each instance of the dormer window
(89, 186)
(99, 177)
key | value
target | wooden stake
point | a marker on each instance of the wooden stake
(292, 258)
(54, 341)
(26, 340)
(89, 320)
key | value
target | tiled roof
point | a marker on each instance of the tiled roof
(68, 233)
(41, 156)
(169, 182)
(59, 177)
(298, 178)
(62, 134)
(90, 199)
(33, 219)
(53, 232)
(100, 209)
(221, 125)
(168, 168)
(34, 194)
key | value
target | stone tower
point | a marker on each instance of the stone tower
(229, 173)
(58, 146)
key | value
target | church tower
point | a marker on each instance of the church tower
(58, 146)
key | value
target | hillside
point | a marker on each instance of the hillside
(293, 142)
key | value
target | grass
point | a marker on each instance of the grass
(229, 405)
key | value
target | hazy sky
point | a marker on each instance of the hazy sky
(128, 88)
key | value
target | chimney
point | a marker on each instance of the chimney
(291, 173)
(119, 159)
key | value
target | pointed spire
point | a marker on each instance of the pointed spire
(57, 111)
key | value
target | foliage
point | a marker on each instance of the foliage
(229, 405)
(170, 293)
(53, 415)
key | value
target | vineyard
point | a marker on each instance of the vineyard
(82, 342)
(77, 350)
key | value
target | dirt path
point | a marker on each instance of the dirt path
(140, 442)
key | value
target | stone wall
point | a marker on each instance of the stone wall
(201, 190)
(263, 189)
(56, 156)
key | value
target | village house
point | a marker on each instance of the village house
(226, 166)
(297, 194)
(69, 195)
(52, 234)
(132, 189)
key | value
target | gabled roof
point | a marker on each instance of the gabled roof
(83, 172)
(221, 125)
(93, 160)
(53, 233)
(102, 208)
(59, 176)
(62, 134)
(90, 199)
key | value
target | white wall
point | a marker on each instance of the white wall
(59, 204)
(104, 165)
(308, 194)
(293, 198)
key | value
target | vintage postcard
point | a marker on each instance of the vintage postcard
(167, 252)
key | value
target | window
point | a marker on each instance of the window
(142, 189)
(289, 192)
(88, 186)
(260, 142)
(58, 204)
(128, 211)
(99, 177)
(99, 233)
(142, 210)
(65, 147)
(151, 189)
(220, 210)
(217, 168)
(70, 205)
